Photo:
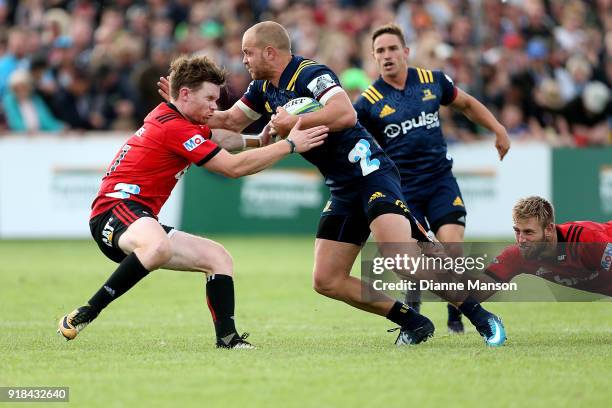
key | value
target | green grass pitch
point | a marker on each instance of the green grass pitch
(154, 346)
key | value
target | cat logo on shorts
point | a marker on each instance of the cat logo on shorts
(375, 196)
(107, 233)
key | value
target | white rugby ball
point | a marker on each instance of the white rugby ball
(301, 105)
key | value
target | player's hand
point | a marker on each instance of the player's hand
(266, 135)
(502, 143)
(283, 122)
(306, 139)
(164, 88)
(433, 249)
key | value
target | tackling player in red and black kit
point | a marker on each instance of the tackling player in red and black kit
(140, 179)
(574, 254)
(401, 110)
(364, 183)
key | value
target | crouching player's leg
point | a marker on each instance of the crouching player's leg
(452, 233)
(446, 213)
(129, 235)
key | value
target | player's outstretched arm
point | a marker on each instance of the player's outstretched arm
(337, 114)
(253, 161)
(235, 142)
(232, 119)
(478, 113)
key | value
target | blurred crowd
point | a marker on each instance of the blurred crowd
(542, 66)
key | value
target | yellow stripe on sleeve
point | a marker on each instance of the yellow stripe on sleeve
(368, 97)
(375, 92)
(303, 64)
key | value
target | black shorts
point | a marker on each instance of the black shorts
(347, 216)
(107, 228)
(439, 203)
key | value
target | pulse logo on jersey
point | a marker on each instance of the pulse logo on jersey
(430, 120)
(194, 142)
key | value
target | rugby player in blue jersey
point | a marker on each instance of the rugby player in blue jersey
(401, 110)
(364, 183)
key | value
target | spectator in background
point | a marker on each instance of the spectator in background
(579, 73)
(43, 82)
(146, 75)
(112, 101)
(502, 53)
(588, 115)
(512, 119)
(15, 57)
(75, 100)
(545, 124)
(26, 111)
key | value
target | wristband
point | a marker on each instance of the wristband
(250, 141)
(291, 144)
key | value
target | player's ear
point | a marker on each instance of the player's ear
(549, 230)
(269, 52)
(183, 92)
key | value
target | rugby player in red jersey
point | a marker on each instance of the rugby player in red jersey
(576, 254)
(140, 179)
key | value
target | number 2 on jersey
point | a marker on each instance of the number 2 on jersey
(361, 153)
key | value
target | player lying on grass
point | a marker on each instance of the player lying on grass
(401, 110)
(364, 183)
(575, 254)
(140, 179)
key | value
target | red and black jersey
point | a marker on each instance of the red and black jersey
(583, 261)
(151, 162)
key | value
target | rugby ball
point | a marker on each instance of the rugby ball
(301, 105)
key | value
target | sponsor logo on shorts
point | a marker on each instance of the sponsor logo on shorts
(107, 233)
(376, 196)
(401, 205)
(194, 142)
(458, 202)
(606, 259)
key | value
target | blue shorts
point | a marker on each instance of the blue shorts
(439, 203)
(347, 215)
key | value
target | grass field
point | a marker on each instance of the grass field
(154, 346)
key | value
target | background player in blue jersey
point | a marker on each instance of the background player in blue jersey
(364, 183)
(401, 110)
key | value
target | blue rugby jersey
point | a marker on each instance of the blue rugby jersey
(347, 155)
(406, 123)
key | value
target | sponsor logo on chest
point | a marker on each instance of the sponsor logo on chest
(427, 120)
